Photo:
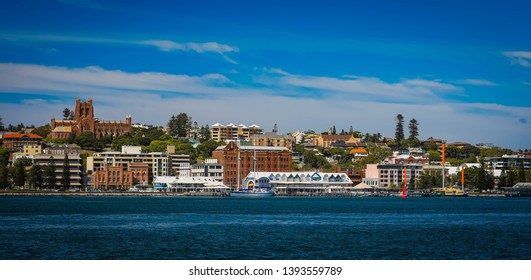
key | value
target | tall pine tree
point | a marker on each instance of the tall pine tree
(399, 133)
(49, 174)
(65, 180)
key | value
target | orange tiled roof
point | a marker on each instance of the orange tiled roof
(20, 135)
(357, 150)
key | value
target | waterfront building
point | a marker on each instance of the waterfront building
(159, 164)
(268, 159)
(391, 175)
(118, 178)
(219, 132)
(300, 183)
(14, 142)
(190, 185)
(178, 162)
(273, 139)
(75, 164)
(210, 168)
(325, 140)
(84, 121)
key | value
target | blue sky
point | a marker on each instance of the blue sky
(461, 68)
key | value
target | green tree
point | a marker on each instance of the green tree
(180, 126)
(428, 145)
(434, 155)
(86, 141)
(68, 114)
(204, 133)
(399, 133)
(50, 180)
(502, 181)
(18, 173)
(42, 131)
(413, 129)
(65, 179)
(511, 178)
(426, 181)
(36, 178)
(4, 172)
(521, 173)
(1, 124)
(205, 149)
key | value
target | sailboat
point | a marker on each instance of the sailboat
(251, 190)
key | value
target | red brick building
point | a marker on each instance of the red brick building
(117, 178)
(84, 121)
(268, 159)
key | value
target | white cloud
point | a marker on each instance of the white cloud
(407, 90)
(28, 78)
(154, 97)
(162, 45)
(519, 57)
(476, 82)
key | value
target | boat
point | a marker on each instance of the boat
(452, 191)
(251, 190)
(255, 192)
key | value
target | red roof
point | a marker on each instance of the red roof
(20, 135)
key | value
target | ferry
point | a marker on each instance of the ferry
(452, 191)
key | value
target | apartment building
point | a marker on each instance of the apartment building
(273, 139)
(388, 175)
(210, 168)
(159, 164)
(219, 132)
(57, 156)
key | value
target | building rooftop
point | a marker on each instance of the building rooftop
(20, 135)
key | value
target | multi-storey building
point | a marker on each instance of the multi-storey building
(177, 161)
(28, 151)
(219, 132)
(325, 140)
(58, 157)
(251, 158)
(84, 121)
(210, 168)
(14, 142)
(388, 175)
(159, 164)
(300, 183)
(506, 162)
(118, 178)
(272, 139)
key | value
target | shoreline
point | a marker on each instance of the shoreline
(183, 194)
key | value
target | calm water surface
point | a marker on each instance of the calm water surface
(272, 228)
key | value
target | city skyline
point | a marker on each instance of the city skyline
(461, 69)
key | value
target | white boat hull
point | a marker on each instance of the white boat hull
(250, 194)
